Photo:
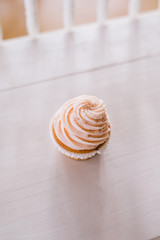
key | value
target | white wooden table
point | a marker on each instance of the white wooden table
(116, 195)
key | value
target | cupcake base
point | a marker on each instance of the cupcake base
(71, 153)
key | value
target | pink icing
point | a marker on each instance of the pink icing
(82, 123)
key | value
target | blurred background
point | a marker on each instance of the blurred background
(12, 14)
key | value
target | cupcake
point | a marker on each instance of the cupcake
(80, 128)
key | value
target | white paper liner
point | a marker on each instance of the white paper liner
(81, 156)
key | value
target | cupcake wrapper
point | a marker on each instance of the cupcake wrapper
(76, 156)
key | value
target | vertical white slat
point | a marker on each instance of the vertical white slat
(68, 14)
(158, 3)
(31, 11)
(134, 7)
(102, 11)
(1, 32)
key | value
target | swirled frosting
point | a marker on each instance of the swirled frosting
(82, 123)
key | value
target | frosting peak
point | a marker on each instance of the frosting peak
(82, 123)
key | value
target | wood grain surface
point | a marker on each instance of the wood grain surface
(54, 55)
(116, 195)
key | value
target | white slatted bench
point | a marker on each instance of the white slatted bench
(116, 195)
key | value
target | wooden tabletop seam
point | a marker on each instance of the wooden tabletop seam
(80, 72)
